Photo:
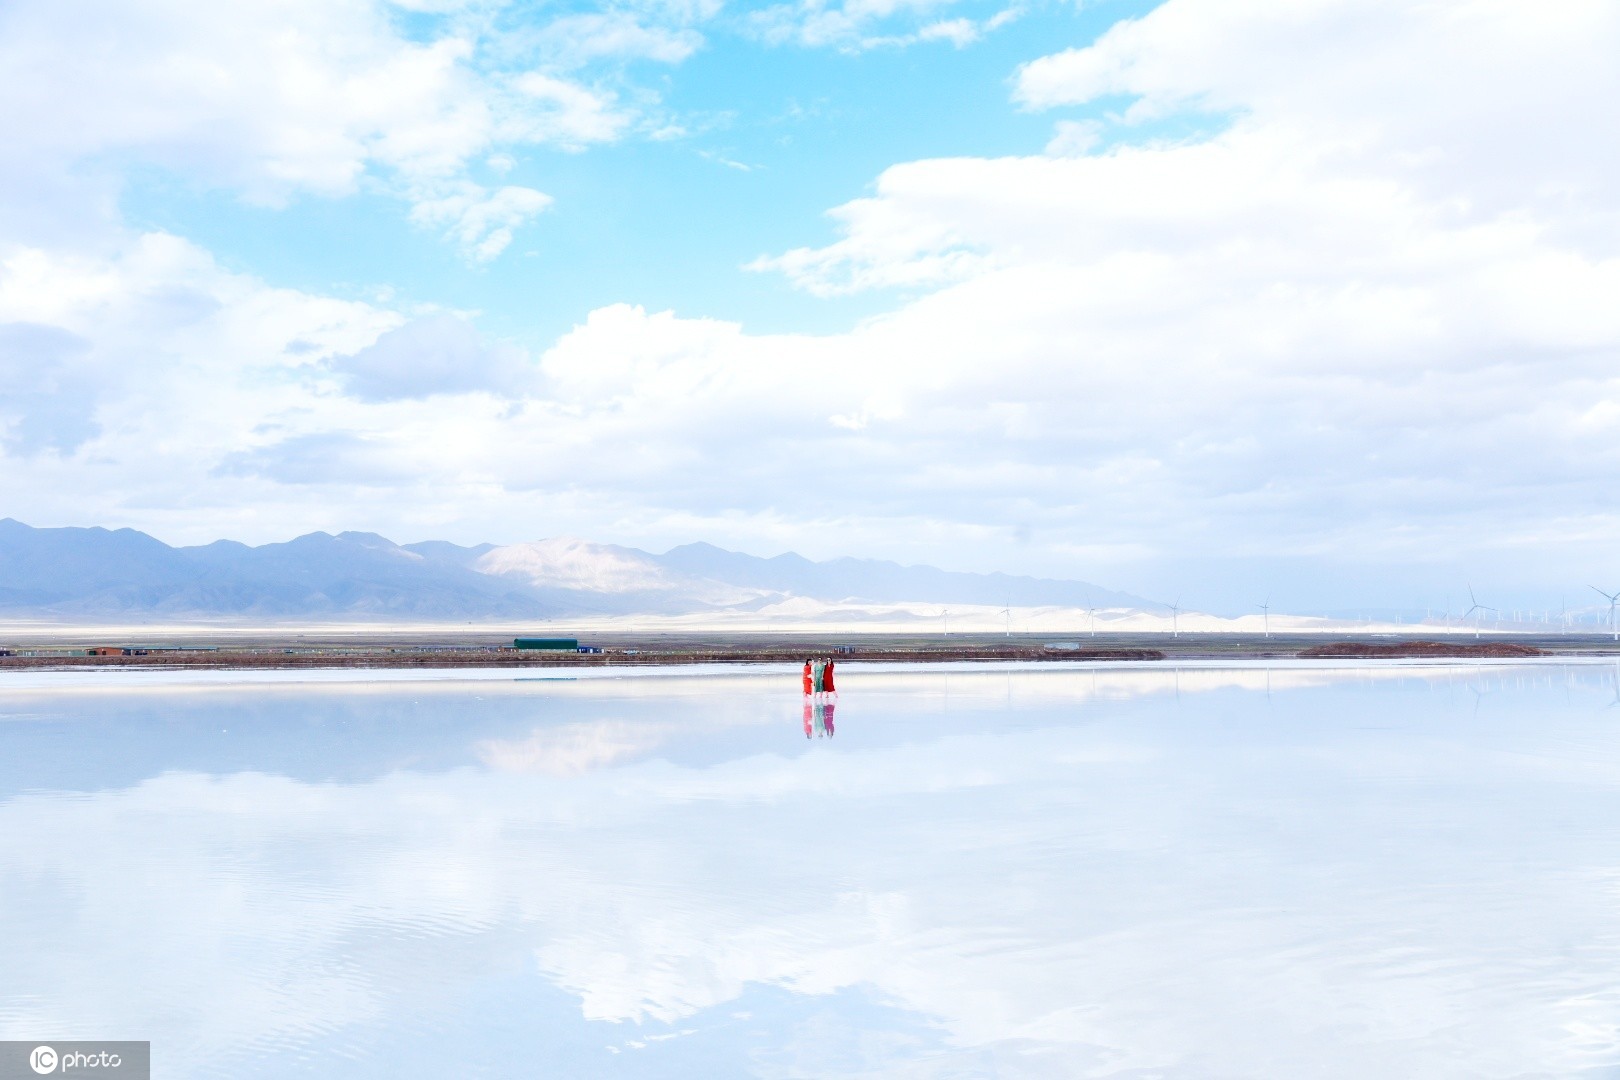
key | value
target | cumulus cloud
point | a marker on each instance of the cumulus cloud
(264, 97)
(436, 354)
(578, 849)
(1482, 101)
(317, 459)
(46, 403)
(1368, 316)
(276, 100)
(178, 359)
(888, 242)
(1328, 320)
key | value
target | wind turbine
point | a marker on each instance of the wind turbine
(1007, 611)
(1091, 614)
(1613, 599)
(1175, 611)
(1265, 611)
(1477, 606)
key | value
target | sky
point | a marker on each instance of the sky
(1315, 301)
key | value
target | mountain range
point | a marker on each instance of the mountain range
(82, 572)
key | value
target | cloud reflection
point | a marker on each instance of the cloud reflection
(1359, 875)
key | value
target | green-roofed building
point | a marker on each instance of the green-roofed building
(552, 644)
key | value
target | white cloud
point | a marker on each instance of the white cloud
(1075, 137)
(481, 221)
(1369, 319)
(959, 32)
(173, 362)
(1486, 100)
(1134, 951)
(435, 354)
(575, 40)
(858, 25)
(888, 242)
(270, 99)
(263, 96)
(43, 406)
(1371, 309)
(564, 113)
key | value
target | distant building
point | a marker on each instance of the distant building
(547, 644)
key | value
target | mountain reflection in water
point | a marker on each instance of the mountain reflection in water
(1407, 870)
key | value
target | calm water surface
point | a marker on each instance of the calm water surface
(1127, 872)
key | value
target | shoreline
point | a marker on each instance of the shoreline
(510, 659)
(381, 651)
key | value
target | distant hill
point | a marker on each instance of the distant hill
(76, 572)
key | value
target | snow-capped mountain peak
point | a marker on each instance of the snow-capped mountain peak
(567, 562)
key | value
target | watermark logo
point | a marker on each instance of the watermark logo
(58, 1058)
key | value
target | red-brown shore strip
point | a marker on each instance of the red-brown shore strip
(1366, 650)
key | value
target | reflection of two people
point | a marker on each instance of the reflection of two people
(820, 698)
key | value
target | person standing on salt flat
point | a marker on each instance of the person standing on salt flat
(827, 678)
(818, 670)
(809, 684)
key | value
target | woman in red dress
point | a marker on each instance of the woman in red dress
(808, 687)
(826, 678)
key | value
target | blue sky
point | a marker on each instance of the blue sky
(1314, 299)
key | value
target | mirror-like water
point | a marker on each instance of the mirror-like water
(1210, 872)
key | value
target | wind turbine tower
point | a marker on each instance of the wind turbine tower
(1613, 599)
(1476, 607)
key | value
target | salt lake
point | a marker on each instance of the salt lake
(1030, 871)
